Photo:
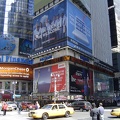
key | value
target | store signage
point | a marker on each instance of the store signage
(16, 71)
(45, 58)
(15, 59)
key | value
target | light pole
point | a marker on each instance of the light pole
(14, 88)
(55, 76)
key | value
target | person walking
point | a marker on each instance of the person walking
(101, 111)
(19, 108)
(37, 105)
(94, 112)
(4, 108)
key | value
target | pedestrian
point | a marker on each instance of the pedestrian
(37, 105)
(94, 112)
(101, 111)
(4, 108)
(19, 108)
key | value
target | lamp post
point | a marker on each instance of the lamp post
(55, 76)
(14, 88)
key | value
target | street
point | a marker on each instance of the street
(76, 116)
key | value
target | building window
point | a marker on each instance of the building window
(7, 85)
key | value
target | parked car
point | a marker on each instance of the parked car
(51, 110)
(115, 112)
(12, 105)
(81, 105)
(28, 106)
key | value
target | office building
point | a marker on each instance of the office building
(78, 63)
(114, 17)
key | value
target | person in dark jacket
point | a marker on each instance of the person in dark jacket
(19, 108)
(94, 112)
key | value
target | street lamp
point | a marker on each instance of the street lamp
(14, 88)
(55, 76)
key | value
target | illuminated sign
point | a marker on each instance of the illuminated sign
(15, 59)
(16, 71)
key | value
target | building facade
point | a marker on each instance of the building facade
(15, 45)
(114, 18)
(84, 69)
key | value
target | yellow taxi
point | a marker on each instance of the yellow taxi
(51, 110)
(115, 112)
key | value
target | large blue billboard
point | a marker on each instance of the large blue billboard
(49, 28)
(79, 29)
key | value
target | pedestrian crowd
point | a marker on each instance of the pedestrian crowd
(97, 113)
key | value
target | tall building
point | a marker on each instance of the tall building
(114, 17)
(75, 60)
(15, 45)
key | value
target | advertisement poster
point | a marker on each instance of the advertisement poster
(49, 28)
(7, 44)
(44, 79)
(81, 80)
(25, 47)
(79, 29)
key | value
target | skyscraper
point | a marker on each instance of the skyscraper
(16, 18)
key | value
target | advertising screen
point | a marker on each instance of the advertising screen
(16, 71)
(44, 79)
(81, 80)
(25, 47)
(49, 28)
(79, 29)
(7, 44)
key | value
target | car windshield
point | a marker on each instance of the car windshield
(47, 107)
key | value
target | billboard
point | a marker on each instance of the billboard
(79, 29)
(81, 80)
(44, 78)
(7, 44)
(49, 28)
(25, 47)
(16, 71)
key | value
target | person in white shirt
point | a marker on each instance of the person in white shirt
(101, 111)
(53, 27)
(63, 25)
(35, 35)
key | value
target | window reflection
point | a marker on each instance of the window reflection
(23, 86)
(16, 16)
(7, 85)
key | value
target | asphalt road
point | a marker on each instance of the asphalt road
(76, 116)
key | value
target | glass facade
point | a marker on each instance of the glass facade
(16, 18)
(103, 85)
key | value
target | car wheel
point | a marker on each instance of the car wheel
(44, 116)
(67, 114)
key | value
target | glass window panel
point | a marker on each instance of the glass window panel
(23, 86)
(7, 85)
